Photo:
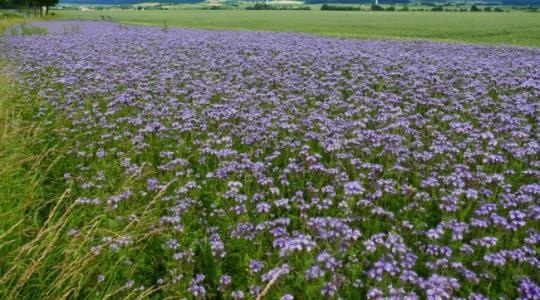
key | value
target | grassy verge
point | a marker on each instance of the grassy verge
(32, 208)
(44, 240)
(41, 255)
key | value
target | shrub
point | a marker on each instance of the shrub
(375, 7)
(342, 8)
(474, 8)
(261, 6)
(437, 8)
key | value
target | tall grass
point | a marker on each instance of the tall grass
(43, 241)
(25, 30)
(33, 210)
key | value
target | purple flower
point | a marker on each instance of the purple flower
(314, 272)
(237, 295)
(353, 188)
(152, 184)
(328, 290)
(528, 290)
(129, 284)
(255, 266)
(195, 288)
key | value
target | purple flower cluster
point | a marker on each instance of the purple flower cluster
(322, 167)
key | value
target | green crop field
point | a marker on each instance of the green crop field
(516, 28)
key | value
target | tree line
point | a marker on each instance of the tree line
(429, 3)
(32, 7)
(521, 2)
(355, 2)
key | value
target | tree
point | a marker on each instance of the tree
(47, 4)
(8, 4)
(521, 2)
(32, 7)
(474, 8)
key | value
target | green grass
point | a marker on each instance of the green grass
(33, 209)
(37, 258)
(515, 28)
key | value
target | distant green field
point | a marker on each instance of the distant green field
(516, 28)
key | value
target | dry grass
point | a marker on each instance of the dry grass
(32, 219)
(37, 258)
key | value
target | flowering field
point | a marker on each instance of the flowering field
(246, 165)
